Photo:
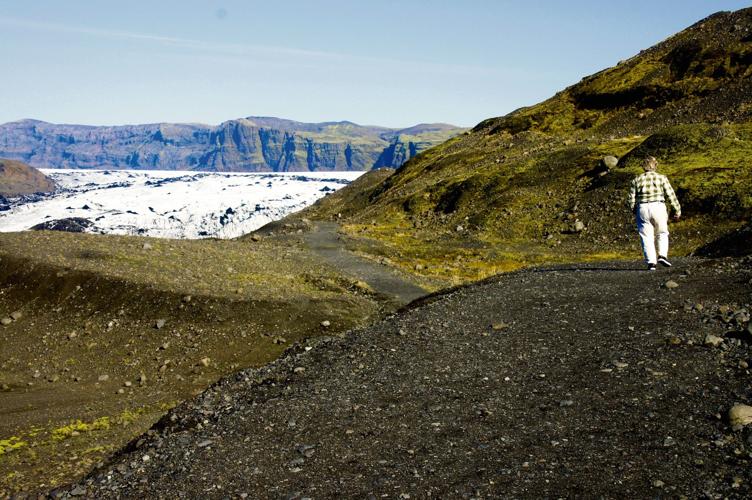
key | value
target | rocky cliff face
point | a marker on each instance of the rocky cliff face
(254, 144)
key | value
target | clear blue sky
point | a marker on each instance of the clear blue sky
(386, 62)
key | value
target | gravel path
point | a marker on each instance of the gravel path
(575, 381)
(324, 241)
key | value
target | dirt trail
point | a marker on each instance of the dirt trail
(573, 381)
(325, 242)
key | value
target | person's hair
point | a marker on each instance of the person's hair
(650, 164)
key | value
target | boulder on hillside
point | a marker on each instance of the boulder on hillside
(18, 179)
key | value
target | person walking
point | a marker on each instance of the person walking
(647, 194)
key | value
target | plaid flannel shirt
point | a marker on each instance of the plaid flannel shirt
(652, 186)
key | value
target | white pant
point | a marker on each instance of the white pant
(652, 218)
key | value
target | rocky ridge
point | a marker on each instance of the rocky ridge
(253, 144)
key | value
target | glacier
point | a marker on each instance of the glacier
(171, 204)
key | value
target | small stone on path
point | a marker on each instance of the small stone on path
(671, 284)
(740, 415)
(713, 340)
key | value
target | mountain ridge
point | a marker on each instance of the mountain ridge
(251, 144)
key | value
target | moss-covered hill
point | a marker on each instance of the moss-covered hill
(532, 186)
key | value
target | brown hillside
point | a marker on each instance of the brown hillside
(17, 179)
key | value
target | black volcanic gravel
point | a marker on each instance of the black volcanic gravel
(592, 381)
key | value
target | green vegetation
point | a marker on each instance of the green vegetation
(10, 444)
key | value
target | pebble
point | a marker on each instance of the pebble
(671, 284)
(187, 298)
(103, 378)
(326, 323)
(610, 161)
(740, 415)
(204, 361)
(658, 483)
(566, 402)
(6, 321)
(619, 365)
(205, 443)
(15, 315)
(160, 323)
(499, 326)
(147, 246)
(78, 491)
(713, 340)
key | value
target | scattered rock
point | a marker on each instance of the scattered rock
(499, 325)
(578, 226)
(6, 321)
(160, 323)
(713, 340)
(205, 443)
(103, 378)
(671, 284)
(204, 362)
(187, 298)
(740, 415)
(15, 315)
(78, 491)
(326, 323)
(147, 246)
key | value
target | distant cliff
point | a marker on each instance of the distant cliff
(254, 144)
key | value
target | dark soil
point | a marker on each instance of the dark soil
(572, 381)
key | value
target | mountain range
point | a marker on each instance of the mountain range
(252, 144)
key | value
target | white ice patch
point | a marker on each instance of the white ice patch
(171, 204)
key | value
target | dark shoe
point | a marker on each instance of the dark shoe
(651, 267)
(664, 262)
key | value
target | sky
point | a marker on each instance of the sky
(386, 62)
